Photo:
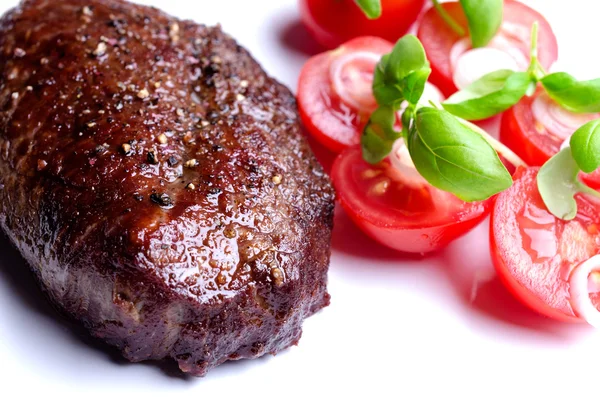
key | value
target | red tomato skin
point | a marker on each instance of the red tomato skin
(438, 39)
(516, 123)
(592, 180)
(518, 290)
(315, 97)
(418, 240)
(390, 232)
(332, 22)
(498, 222)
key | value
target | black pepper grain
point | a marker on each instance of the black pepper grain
(161, 199)
(152, 157)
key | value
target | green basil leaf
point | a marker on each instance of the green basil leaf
(576, 96)
(558, 184)
(371, 8)
(490, 95)
(454, 158)
(386, 93)
(585, 146)
(407, 57)
(379, 135)
(401, 74)
(413, 85)
(484, 18)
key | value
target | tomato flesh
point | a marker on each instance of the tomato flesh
(438, 39)
(408, 219)
(332, 22)
(534, 252)
(531, 140)
(333, 122)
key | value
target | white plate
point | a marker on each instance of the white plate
(395, 326)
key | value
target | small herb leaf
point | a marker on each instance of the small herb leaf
(484, 18)
(576, 96)
(490, 95)
(379, 135)
(407, 56)
(454, 158)
(558, 184)
(385, 92)
(371, 8)
(413, 85)
(401, 74)
(585, 146)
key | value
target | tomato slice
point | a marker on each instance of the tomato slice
(333, 22)
(536, 135)
(400, 215)
(439, 39)
(535, 252)
(334, 121)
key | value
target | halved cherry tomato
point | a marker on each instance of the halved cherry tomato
(439, 39)
(332, 22)
(335, 97)
(536, 127)
(535, 252)
(398, 214)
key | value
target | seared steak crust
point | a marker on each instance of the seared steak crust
(158, 183)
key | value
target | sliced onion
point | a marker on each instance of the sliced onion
(351, 76)
(580, 292)
(557, 120)
(478, 62)
(403, 164)
(503, 52)
(516, 31)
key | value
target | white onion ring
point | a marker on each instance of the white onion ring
(478, 62)
(353, 92)
(517, 31)
(557, 120)
(403, 164)
(502, 52)
(580, 292)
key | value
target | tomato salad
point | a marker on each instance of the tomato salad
(414, 173)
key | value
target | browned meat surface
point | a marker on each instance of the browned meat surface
(157, 182)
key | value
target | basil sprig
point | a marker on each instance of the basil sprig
(445, 151)
(371, 8)
(484, 18)
(399, 76)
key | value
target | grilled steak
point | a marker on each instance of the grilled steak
(158, 184)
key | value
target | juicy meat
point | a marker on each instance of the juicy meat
(157, 182)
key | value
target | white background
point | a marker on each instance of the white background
(396, 326)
